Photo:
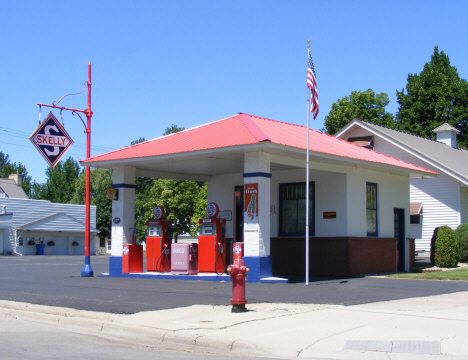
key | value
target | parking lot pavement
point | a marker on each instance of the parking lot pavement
(56, 281)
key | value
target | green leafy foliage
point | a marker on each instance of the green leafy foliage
(7, 168)
(184, 203)
(100, 180)
(364, 105)
(173, 129)
(60, 184)
(444, 247)
(435, 95)
(461, 234)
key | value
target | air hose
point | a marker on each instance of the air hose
(167, 259)
(220, 250)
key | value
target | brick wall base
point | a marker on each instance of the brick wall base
(334, 256)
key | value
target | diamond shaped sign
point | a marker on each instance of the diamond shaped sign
(51, 139)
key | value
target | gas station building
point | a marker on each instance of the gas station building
(359, 198)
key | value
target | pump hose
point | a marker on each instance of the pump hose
(167, 258)
(216, 262)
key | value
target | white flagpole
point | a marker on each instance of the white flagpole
(307, 189)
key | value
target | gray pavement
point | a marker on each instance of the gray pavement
(358, 318)
(56, 281)
(433, 327)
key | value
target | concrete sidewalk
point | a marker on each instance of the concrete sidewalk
(434, 327)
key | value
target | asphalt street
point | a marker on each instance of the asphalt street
(56, 281)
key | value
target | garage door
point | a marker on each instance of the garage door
(78, 250)
(61, 246)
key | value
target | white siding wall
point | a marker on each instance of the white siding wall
(1, 241)
(440, 199)
(464, 204)
(27, 210)
(440, 196)
(343, 192)
(63, 244)
(221, 191)
(330, 195)
(392, 192)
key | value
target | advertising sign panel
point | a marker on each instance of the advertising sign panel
(251, 207)
(51, 139)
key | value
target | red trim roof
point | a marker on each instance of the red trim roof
(244, 129)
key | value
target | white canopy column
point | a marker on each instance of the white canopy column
(257, 214)
(123, 215)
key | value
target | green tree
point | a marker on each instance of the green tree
(60, 184)
(100, 180)
(435, 95)
(184, 203)
(364, 105)
(7, 168)
(173, 129)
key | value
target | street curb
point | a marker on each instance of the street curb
(113, 327)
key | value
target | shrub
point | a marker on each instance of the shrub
(461, 234)
(444, 247)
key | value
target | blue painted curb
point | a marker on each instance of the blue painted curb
(223, 277)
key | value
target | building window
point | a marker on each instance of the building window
(371, 209)
(416, 210)
(109, 245)
(20, 241)
(415, 219)
(102, 242)
(363, 141)
(292, 219)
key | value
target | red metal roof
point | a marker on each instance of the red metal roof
(244, 129)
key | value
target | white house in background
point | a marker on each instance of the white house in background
(434, 202)
(25, 223)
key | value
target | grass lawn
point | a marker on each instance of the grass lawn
(456, 274)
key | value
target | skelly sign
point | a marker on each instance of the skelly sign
(51, 139)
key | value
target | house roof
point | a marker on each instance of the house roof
(437, 154)
(57, 222)
(12, 190)
(243, 131)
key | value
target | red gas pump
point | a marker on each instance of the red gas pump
(212, 242)
(158, 243)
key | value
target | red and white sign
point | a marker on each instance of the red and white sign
(212, 210)
(51, 139)
(158, 212)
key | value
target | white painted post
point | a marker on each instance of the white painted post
(123, 209)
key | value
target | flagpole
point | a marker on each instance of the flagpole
(307, 189)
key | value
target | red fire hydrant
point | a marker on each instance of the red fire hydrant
(238, 273)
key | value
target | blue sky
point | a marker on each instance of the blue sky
(157, 63)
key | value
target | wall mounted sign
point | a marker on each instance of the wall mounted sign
(112, 194)
(51, 139)
(116, 220)
(225, 214)
(329, 214)
(251, 207)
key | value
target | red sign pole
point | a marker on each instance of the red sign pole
(87, 271)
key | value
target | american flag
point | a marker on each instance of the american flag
(312, 84)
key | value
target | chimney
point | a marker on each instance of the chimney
(16, 178)
(447, 134)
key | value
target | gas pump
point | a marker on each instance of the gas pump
(158, 242)
(212, 242)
